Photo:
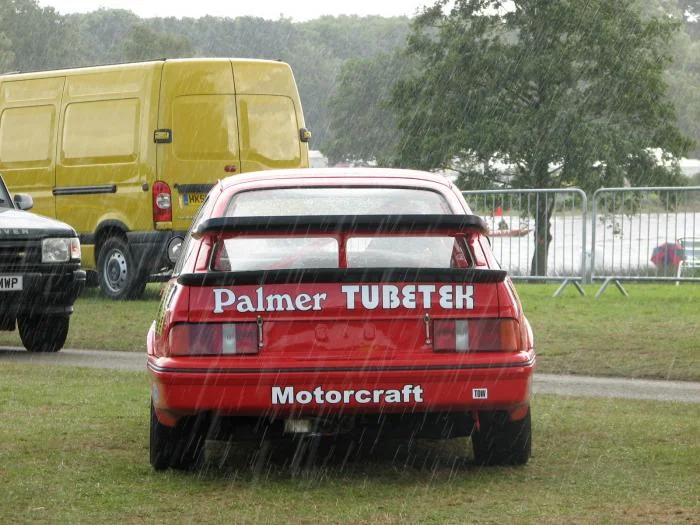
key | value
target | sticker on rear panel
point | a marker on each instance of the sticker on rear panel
(357, 297)
(288, 395)
(480, 393)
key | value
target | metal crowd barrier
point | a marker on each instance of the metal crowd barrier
(636, 234)
(511, 216)
(644, 234)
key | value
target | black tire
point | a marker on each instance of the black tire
(117, 271)
(180, 447)
(500, 441)
(43, 333)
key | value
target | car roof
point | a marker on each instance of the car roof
(376, 175)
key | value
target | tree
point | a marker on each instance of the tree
(324, 46)
(570, 93)
(143, 43)
(7, 57)
(39, 37)
(362, 123)
(684, 87)
(100, 35)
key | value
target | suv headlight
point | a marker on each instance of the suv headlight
(60, 250)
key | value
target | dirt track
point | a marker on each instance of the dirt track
(578, 386)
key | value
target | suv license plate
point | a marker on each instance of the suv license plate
(10, 283)
(193, 199)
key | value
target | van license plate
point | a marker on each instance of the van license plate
(193, 199)
(10, 283)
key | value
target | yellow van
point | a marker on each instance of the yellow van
(126, 153)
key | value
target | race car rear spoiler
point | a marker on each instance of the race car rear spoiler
(341, 224)
(344, 275)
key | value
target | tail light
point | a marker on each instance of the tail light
(476, 335)
(162, 202)
(214, 339)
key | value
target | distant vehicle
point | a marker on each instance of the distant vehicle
(515, 232)
(126, 153)
(40, 275)
(339, 301)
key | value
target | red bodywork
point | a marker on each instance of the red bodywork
(323, 350)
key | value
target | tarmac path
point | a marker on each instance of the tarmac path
(575, 386)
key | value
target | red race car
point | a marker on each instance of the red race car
(339, 301)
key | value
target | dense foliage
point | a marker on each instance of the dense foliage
(362, 123)
(579, 101)
(567, 93)
(34, 37)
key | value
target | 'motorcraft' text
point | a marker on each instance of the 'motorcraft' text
(288, 395)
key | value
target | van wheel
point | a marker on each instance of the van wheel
(43, 334)
(117, 273)
(501, 441)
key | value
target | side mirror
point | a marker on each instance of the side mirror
(24, 201)
(304, 135)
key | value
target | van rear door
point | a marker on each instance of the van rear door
(197, 132)
(269, 116)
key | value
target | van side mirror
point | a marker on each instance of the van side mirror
(24, 201)
(304, 135)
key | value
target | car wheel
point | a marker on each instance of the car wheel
(118, 275)
(180, 447)
(43, 334)
(500, 441)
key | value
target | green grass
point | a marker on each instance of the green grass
(653, 333)
(74, 449)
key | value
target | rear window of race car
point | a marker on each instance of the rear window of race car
(269, 253)
(336, 201)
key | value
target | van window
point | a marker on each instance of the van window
(105, 131)
(25, 135)
(204, 127)
(269, 132)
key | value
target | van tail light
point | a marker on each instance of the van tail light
(214, 339)
(476, 335)
(162, 202)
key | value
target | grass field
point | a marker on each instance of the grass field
(653, 333)
(74, 449)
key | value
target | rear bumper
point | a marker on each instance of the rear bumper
(324, 391)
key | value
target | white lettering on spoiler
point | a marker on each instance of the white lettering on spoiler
(365, 296)
(389, 296)
(288, 395)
